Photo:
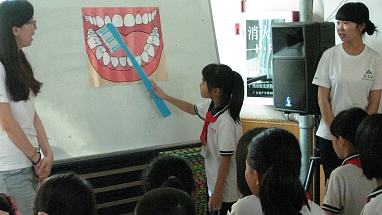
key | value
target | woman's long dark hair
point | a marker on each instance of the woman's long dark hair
(275, 154)
(19, 77)
(231, 84)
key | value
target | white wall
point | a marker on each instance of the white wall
(227, 13)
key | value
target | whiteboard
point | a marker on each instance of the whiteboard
(81, 120)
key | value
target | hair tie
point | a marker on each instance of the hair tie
(172, 177)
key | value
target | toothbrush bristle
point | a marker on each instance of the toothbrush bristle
(109, 39)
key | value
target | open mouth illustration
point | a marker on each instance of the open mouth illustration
(140, 29)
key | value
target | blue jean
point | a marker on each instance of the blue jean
(21, 185)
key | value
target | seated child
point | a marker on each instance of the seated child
(7, 206)
(169, 171)
(244, 206)
(165, 201)
(369, 140)
(65, 194)
(347, 187)
(273, 175)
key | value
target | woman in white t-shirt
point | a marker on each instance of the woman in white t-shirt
(348, 75)
(272, 173)
(22, 134)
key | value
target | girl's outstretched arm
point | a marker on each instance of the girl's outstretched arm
(183, 105)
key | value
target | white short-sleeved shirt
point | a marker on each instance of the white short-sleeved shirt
(11, 157)
(374, 206)
(347, 189)
(349, 78)
(222, 138)
(251, 205)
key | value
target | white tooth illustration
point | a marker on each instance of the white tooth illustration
(129, 62)
(145, 56)
(150, 50)
(114, 61)
(94, 42)
(88, 18)
(145, 18)
(94, 21)
(117, 20)
(106, 58)
(99, 52)
(155, 31)
(91, 20)
(122, 61)
(100, 21)
(139, 59)
(138, 19)
(153, 40)
(129, 20)
(91, 33)
(107, 19)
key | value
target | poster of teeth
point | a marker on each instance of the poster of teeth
(140, 28)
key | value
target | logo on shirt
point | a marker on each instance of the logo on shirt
(368, 76)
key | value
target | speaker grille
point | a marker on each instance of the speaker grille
(297, 48)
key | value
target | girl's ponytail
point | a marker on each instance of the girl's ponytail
(237, 97)
(275, 155)
(281, 191)
(230, 82)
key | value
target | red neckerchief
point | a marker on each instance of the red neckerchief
(307, 198)
(209, 118)
(375, 193)
(353, 159)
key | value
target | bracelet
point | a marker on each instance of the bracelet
(34, 154)
(39, 158)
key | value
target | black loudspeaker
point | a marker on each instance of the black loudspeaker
(297, 48)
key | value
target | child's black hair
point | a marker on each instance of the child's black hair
(275, 154)
(241, 157)
(165, 201)
(346, 122)
(167, 170)
(369, 140)
(231, 84)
